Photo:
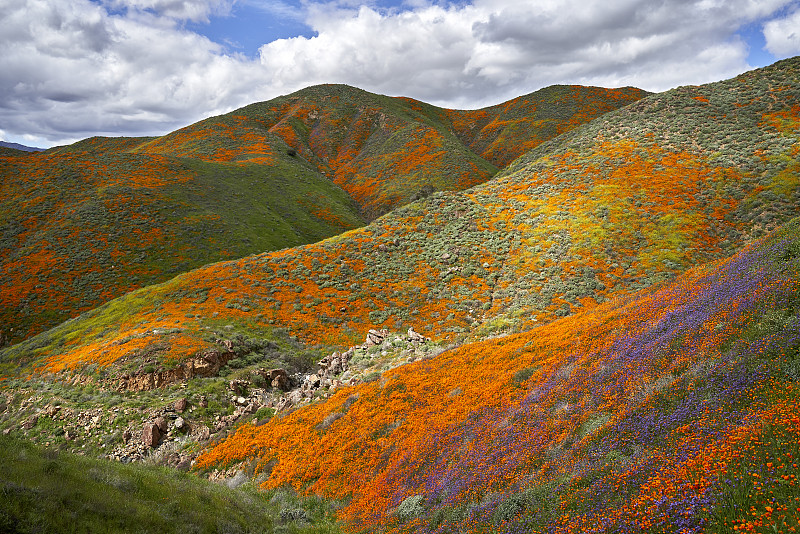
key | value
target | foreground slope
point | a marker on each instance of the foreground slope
(88, 222)
(675, 410)
(624, 202)
(48, 491)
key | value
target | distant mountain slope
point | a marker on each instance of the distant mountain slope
(672, 411)
(90, 221)
(504, 132)
(617, 205)
(17, 146)
(86, 223)
(387, 151)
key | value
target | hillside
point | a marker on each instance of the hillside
(47, 491)
(88, 222)
(624, 202)
(674, 410)
(612, 317)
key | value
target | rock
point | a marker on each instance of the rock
(279, 379)
(161, 423)
(7, 431)
(311, 382)
(30, 422)
(415, 337)
(151, 435)
(295, 396)
(180, 424)
(180, 405)
(375, 337)
(203, 364)
(51, 410)
(238, 386)
(203, 402)
(127, 435)
(201, 432)
(250, 408)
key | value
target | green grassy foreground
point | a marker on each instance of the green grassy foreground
(47, 491)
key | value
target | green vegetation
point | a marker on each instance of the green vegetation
(46, 491)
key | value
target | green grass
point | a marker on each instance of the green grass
(46, 491)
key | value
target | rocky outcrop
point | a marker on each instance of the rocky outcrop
(278, 379)
(180, 405)
(204, 364)
(332, 367)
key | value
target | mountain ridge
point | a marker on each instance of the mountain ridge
(265, 177)
(608, 210)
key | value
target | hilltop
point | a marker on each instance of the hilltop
(91, 221)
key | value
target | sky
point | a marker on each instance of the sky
(71, 69)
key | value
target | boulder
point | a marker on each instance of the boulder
(30, 422)
(180, 423)
(415, 337)
(238, 386)
(180, 405)
(161, 423)
(375, 337)
(279, 379)
(151, 435)
(51, 410)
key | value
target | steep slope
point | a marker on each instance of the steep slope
(87, 223)
(672, 411)
(387, 151)
(376, 148)
(607, 209)
(504, 132)
(114, 214)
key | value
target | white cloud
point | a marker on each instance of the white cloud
(494, 49)
(74, 69)
(70, 70)
(782, 35)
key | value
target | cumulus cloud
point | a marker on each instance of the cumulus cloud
(782, 35)
(73, 69)
(483, 52)
(70, 69)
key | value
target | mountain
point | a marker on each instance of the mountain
(88, 222)
(17, 146)
(619, 204)
(600, 338)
